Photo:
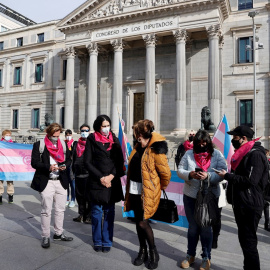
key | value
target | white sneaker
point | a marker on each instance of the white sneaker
(67, 203)
(71, 204)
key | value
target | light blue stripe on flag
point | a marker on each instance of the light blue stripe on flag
(16, 176)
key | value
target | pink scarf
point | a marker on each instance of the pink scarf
(241, 152)
(203, 160)
(56, 152)
(80, 147)
(103, 139)
(188, 145)
(69, 143)
(3, 140)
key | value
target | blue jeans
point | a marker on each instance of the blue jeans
(71, 183)
(195, 231)
(103, 233)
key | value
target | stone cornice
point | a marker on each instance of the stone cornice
(183, 6)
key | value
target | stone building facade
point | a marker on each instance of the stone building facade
(159, 59)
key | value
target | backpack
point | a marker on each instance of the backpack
(42, 146)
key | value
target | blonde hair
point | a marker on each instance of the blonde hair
(5, 132)
(143, 127)
(189, 131)
(52, 128)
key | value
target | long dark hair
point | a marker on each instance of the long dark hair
(98, 122)
(203, 135)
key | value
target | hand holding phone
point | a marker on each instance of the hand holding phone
(215, 170)
(198, 170)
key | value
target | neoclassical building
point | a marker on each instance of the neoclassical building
(157, 59)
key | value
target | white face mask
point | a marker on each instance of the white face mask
(84, 134)
(105, 131)
(53, 139)
(68, 138)
(7, 138)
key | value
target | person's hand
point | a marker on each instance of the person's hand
(62, 167)
(222, 173)
(194, 175)
(105, 181)
(53, 168)
(202, 175)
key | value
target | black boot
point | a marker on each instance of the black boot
(154, 258)
(142, 256)
(267, 226)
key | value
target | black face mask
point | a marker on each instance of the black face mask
(191, 138)
(236, 143)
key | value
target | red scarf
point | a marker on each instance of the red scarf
(103, 139)
(80, 147)
(3, 140)
(203, 160)
(69, 143)
(56, 152)
(241, 152)
(188, 145)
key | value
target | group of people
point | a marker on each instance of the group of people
(96, 163)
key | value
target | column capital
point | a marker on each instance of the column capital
(70, 51)
(117, 44)
(214, 31)
(150, 40)
(180, 35)
(92, 48)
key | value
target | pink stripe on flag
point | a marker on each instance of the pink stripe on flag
(222, 127)
(175, 187)
(181, 210)
(219, 144)
(16, 168)
(15, 152)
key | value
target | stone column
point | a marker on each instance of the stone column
(180, 93)
(91, 105)
(49, 82)
(214, 33)
(117, 82)
(150, 78)
(8, 81)
(69, 95)
(28, 64)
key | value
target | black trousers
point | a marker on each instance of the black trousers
(247, 221)
(217, 226)
(84, 204)
(266, 211)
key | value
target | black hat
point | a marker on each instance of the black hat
(242, 131)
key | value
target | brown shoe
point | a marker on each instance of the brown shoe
(205, 264)
(187, 262)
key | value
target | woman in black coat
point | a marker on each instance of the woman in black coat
(104, 161)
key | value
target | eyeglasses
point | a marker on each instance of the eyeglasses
(85, 130)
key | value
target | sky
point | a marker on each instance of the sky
(43, 10)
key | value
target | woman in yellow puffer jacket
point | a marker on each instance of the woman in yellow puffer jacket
(148, 173)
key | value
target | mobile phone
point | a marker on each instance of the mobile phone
(216, 170)
(198, 170)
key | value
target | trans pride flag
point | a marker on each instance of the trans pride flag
(174, 192)
(15, 162)
(125, 145)
(222, 140)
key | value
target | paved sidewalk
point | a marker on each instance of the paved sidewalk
(20, 241)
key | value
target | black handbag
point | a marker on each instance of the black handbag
(206, 207)
(167, 210)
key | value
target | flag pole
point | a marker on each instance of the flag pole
(127, 155)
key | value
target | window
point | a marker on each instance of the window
(40, 38)
(35, 118)
(39, 73)
(64, 70)
(15, 119)
(17, 75)
(1, 72)
(245, 4)
(19, 42)
(1, 46)
(62, 116)
(246, 112)
(245, 56)
(3, 28)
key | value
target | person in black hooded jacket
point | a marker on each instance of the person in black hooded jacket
(245, 189)
(103, 159)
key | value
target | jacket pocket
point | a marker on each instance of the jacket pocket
(252, 197)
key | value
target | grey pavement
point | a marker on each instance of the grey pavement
(20, 241)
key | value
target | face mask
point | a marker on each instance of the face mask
(191, 138)
(105, 131)
(7, 138)
(53, 139)
(69, 138)
(84, 134)
(236, 143)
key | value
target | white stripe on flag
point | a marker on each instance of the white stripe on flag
(11, 160)
(220, 136)
(178, 198)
